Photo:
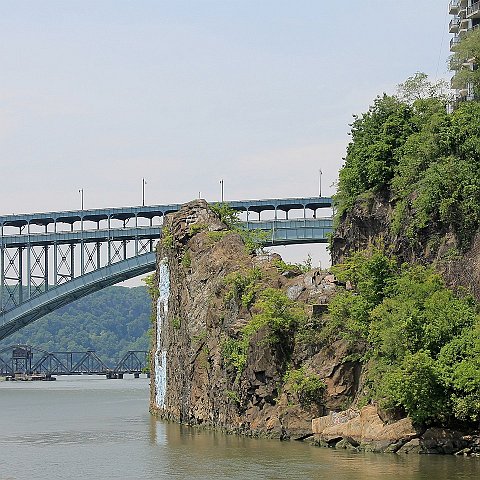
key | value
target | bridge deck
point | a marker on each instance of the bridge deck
(40, 272)
(149, 212)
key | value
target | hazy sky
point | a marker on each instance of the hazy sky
(98, 94)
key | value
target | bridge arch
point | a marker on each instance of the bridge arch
(50, 259)
(57, 297)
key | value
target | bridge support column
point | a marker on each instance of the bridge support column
(72, 261)
(29, 270)
(46, 267)
(98, 254)
(20, 275)
(55, 264)
(2, 277)
(82, 258)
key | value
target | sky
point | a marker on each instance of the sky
(98, 94)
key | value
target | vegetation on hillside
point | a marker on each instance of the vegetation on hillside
(423, 340)
(410, 152)
(111, 322)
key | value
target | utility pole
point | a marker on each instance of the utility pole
(319, 182)
(221, 183)
(143, 191)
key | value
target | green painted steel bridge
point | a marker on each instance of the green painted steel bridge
(48, 260)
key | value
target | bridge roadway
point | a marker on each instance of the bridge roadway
(41, 271)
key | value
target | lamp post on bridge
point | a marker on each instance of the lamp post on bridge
(81, 196)
(143, 191)
(319, 182)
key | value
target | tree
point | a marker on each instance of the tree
(466, 54)
(419, 87)
(371, 155)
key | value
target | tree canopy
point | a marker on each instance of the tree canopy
(423, 340)
(418, 157)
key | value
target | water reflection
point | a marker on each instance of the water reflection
(94, 428)
(209, 454)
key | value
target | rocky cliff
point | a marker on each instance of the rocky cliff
(216, 354)
(240, 342)
(369, 222)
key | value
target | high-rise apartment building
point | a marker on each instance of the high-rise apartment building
(466, 17)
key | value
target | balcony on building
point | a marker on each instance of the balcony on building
(454, 41)
(474, 10)
(454, 7)
(454, 25)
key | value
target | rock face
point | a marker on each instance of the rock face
(194, 318)
(368, 223)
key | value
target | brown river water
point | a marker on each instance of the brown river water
(93, 428)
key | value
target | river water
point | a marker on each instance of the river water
(90, 427)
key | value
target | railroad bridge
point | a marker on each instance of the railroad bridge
(28, 360)
(48, 260)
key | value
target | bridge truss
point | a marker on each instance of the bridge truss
(50, 259)
(28, 360)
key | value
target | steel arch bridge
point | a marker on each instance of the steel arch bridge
(48, 260)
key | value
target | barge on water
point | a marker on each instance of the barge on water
(30, 377)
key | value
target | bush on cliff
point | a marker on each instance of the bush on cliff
(253, 239)
(275, 313)
(423, 339)
(308, 386)
(421, 159)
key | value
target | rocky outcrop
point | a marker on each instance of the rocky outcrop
(198, 313)
(194, 382)
(365, 430)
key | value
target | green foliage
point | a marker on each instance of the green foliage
(232, 395)
(464, 53)
(111, 322)
(215, 236)
(200, 337)
(370, 271)
(349, 317)
(152, 285)
(242, 287)
(418, 87)
(176, 322)
(371, 155)
(186, 260)
(227, 215)
(416, 385)
(307, 385)
(235, 351)
(297, 268)
(253, 239)
(279, 315)
(167, 238)
(196, 228)
(423, 339)
(410, 151)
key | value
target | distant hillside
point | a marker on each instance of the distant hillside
(111, 322)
